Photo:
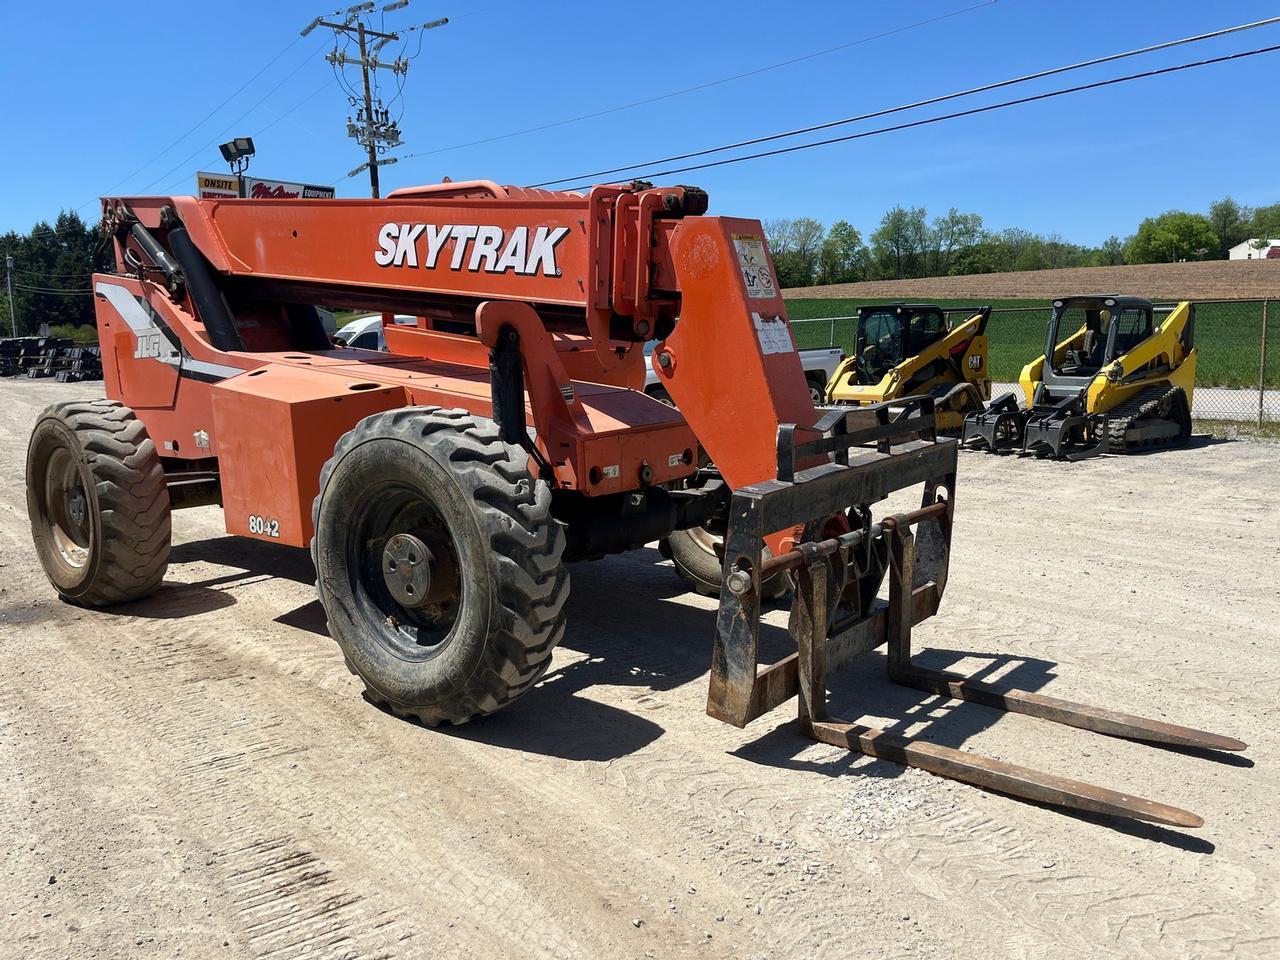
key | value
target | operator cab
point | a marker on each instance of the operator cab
(1086, 334)
(889, 334)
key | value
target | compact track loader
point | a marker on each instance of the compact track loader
(443, 486)
(912, 349)
(1119, 382)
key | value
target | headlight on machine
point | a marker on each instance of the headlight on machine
(1115, 372)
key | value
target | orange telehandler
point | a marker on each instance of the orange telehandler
(443, 486)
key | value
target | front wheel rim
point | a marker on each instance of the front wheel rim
(413, 616)
(67, 508)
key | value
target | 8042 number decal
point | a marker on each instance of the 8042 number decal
(263, 526)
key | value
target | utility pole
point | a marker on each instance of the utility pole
(13, 314)
(373, 127)
(368, 112)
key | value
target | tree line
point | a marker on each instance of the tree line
(51, 275)
(907, 244)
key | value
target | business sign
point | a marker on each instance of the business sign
(217, 186)
(284, 190)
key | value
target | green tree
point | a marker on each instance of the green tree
(795, 245)
(52, 265)
(898, 245)
(1112, 251)
(1230, 223)
(1173, 236)
(985, 256)
(1263, 223)
(951, 233)
(843, 258)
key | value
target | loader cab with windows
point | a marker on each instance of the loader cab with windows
(888, 335)
(1086, 334)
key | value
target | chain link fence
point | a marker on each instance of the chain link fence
(1237, 367)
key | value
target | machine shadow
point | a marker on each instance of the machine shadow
(629, 642)
(863, 689)
(254, 557)
(1197, 441)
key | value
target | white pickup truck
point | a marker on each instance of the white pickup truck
(819, 366)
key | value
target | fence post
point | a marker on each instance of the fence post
(1262, 365)
(831, 342)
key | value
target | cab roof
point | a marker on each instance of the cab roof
(1101, 300)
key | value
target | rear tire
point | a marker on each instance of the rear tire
(98, 503)
(489, 610)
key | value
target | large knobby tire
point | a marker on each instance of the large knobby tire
(98, 503)
(694, 555)
(438, 563)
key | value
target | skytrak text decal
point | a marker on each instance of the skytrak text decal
(474, 248)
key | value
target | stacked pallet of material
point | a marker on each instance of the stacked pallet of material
(82, 363)
(57, 357)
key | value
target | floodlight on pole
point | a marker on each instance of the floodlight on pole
(237, 153)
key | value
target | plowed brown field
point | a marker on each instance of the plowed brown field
(1213, 280)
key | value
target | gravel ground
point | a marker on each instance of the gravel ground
(196, 774)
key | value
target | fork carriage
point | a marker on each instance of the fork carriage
(837, 615)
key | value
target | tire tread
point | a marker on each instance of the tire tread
(513, 512)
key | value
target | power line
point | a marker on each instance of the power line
(207, 117)
(704, 85)
(261, 130)
(235, 123)
(949, 116)
(985, 88)
(214, 141)
(53, 291)
(37, 273)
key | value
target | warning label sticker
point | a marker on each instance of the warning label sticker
(773, 334)
(755, 266)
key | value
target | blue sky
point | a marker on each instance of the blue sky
(103, 102)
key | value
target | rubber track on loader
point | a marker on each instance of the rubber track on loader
(1141, 405)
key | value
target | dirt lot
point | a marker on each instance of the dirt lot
(196, 775)
(1212, 280)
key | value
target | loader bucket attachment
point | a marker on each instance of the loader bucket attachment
(837, 615)
(997, 429)
(1065, 431)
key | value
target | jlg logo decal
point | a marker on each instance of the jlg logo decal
(148, 346)
(490, 249)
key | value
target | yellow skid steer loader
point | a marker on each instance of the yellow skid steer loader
(905, 350)
(1119, 382)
